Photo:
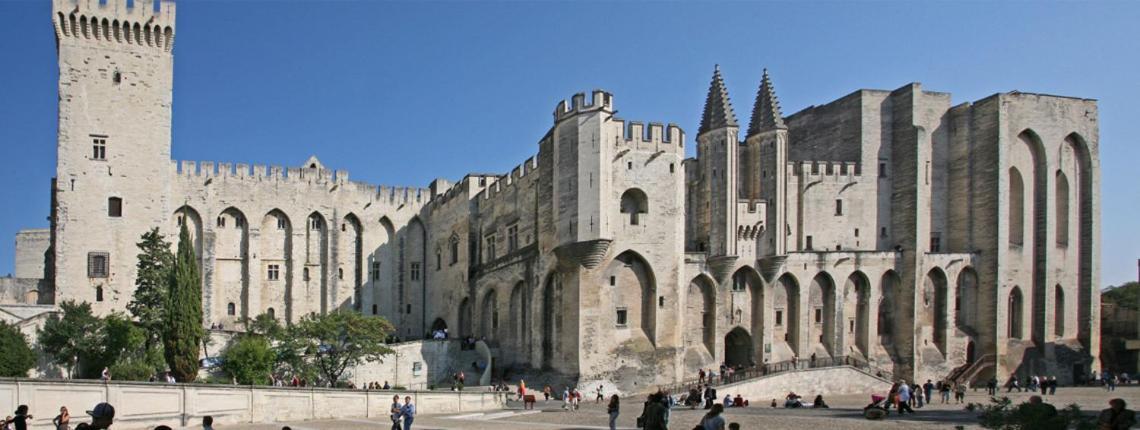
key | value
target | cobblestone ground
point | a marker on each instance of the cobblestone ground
(845, 413)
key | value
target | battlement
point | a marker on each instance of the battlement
(260, 173)
(599, 100)
(656, 137)
(506, 182)
(825, 169)
(143, 23)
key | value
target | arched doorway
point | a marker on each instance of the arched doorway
(438, 325)
(785, 302)
(856, 312)
(700, 314)
(738, 348)
(934, 298)
(971, 352)
(821, 311)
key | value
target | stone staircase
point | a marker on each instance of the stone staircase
(969, 372)
(770, 369)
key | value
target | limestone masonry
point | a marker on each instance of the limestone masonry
(928, 238)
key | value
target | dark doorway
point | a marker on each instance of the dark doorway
(439, 324)
(738, 348)
(971, 353)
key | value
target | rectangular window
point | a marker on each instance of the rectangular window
(221, 221)
(490, 248)
(807, 243)
(882, 232)
(936, 242)
(513, 238)
(281, 223)
(622, 313)
(613, 280)
(818, 315)
(671, 168)
(838, 207)
(438, 260)
(851, 326)
(882, 170)
(99, 148)
(274, 272)
(779, 317)
(856, 232)
(114, 207)
(415, 271)
(375, 270)
(315, 223)
(98, 264)
(454, 250)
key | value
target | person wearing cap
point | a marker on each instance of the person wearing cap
(101, 417)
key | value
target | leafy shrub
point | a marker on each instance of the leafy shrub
(17, 358)
(1000, 414)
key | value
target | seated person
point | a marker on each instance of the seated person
(818, 402)
(738, 401)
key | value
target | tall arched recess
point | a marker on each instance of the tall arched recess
(966, 302)
(935, 297)
(1086, 229)
(552, 312)
(635, 294)
(276, 252)
(747, 281)
(231, 260)
(1039, 222)
(821, 315)
(888, 308)
(856, 315)
(700, 315)
(786, 305)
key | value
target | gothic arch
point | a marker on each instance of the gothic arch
(276, 253)
(888, 319)
(786, 305)
(821, 317)
(465, 326)
(1016, 219)
(231, 259)
(489, 315)
(700, 314)
(189, 215)
(517, 321)
(317, 258)
(635, 292)
(857, 313)
(1085, 199)
(552, 311)
(1039, 222)
(746, 280)
(1059, 311)
(1015, 314)
(935, 297)
(351, 254)
(738, 348)
(1061, 202)
(966, 300)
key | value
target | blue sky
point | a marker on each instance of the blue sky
(403, 92)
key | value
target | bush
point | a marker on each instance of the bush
(250, 360)
(17, 358)
(1000, 414)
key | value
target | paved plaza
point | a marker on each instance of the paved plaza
(845, 413)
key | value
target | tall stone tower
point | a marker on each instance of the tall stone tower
(717, 152)
(113, 167)
(769, 135)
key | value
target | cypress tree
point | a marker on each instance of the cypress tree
(183, 326)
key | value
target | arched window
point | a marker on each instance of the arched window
(231, 309)
(272, 313)
(1062, 202)
(305, 274)
(1015, 313)
(634, 202)
(99, 293)
(1016, 208)
(1059, 311)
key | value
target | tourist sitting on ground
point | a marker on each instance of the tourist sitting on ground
(773, 403)
(792, 400)
(1116, 417)
(727, 400)
(818, 402)
(738, 401)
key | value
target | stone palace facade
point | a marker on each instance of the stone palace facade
(925, 237)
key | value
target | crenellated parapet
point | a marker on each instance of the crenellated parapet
(144, 23)
(655, 138)
(260, 174)
(599, 100)
(509, 181)
(825, 170)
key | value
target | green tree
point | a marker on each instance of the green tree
(17, 358)
(125, 350)
(182, 328)
(71, 340)
(249, 359)
(333, 342)
(148, 306)
(264, 325)
(1125, 296)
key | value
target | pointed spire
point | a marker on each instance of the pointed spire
(718, 107)
(766, 112)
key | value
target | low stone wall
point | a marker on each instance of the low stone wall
(807, 383)
(146, 405)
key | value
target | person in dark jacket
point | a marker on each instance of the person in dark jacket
(653, 415)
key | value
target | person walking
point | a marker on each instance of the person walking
(546, 393)
(408, 411)
(991, 386)
(1052, 385)
(653, 414)
(394, 412)
(566, 398)
(919, 397)
(63, 420)
(714, 419)
(904, 398)
(600, 396)
(928, 389)
(613, 409)
(960, 392)
(944, 390)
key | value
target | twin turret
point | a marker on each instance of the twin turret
(599, 100)
(143, 23)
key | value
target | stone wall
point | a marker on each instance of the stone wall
(146, 405)
(807, 383)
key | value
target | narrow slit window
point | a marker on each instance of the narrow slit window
(114, 207)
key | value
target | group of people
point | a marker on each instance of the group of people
(405, 413)
(102, 415)
(1047, 385)
(1109, 380)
